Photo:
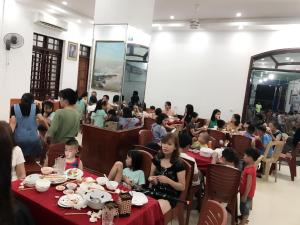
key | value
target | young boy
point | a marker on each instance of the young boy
(248, 184)
(229, 158)
(71, 150)
(265, 139)
(202, 141)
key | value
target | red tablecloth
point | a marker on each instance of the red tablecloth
(45, 211)
(202, 162)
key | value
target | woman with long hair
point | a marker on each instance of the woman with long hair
(215, 116)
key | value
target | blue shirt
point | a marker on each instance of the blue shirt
(265, 140)
(137, 176)
(158, 132)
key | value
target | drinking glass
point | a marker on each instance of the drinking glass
(60, 165)
(108, 216)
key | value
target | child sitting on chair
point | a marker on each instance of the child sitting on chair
(202, 141)
(248, 184)
(71, 150)
(132, 175)
(228, 158)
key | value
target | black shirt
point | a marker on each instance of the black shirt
(171, 173)
(22, 215)
(25, 110)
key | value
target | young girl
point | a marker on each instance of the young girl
(132, 175)
(235, 123)
(167, 176)
(71, 149)
(99, 115)
(215, 116)
(48, 112)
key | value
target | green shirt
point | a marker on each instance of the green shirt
(137, 177)
(65, 125)
(98, 118)
(213, 123)
(80, 106)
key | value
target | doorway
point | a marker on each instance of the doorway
(83, 69)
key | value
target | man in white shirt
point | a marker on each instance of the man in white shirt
(185, 142)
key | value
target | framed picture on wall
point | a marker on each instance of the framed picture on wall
(72, 51)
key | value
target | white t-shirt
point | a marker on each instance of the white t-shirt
(196, 171)
(17, 158)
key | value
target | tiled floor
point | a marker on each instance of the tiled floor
(274, 203)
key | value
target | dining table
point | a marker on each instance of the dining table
(45, 210)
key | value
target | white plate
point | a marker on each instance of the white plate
(56, 179)
(74, 173)
(71, 201)
(31, 179)
(138, 198)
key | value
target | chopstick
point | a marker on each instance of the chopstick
(24, 189)
(70, 214)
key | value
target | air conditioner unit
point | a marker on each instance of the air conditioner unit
(50, 22)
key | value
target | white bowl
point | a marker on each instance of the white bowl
(71, 186)
(96, 199)
(102, 180)
(42, 185)
(31, 179)
(47, 170)
(112, 185)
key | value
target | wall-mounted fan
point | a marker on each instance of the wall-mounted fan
(13, 40)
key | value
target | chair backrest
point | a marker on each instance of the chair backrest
(222, 183)
(214, 143)
(240, 143)
(148, 123)
(218, 135)
(145, 137)
(178, 128)
(146, 164)
(111, 125)
(212, 213)
(144, 148)
(54, 151)
(188, 181)
(201, 122)
(277, 149)
(257, 162)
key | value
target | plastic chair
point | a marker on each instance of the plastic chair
(278, 146)
(218, 135)
(178, 211)
(178, 128)
(240, 143)
(291, 162)
(222, 184)
(144, 148)
(146, 164)
(54, 151)
(145, 137)
(213, 213)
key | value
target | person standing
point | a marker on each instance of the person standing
(23, 123)
(66, 123)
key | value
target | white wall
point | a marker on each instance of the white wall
(207, 69)
(16, 77)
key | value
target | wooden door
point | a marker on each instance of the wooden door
(83, 71)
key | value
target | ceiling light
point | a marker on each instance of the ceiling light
(160, 28)
(79, 21)
(271, 76)
(292, 60)
(239, 14)
(263, 63)
(260, 81)
(241, 27)
(263, 59)
(64, 2)
(265, 79)
(287, 58)
(172, 17)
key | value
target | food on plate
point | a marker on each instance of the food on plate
(60, 188)
(47, 170)
(102, 180)
(68, 192)
(71, 186)
(112, 185)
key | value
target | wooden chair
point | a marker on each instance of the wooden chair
(178, 211)
(144, 148)
(218, 135)
(222, 184)
(278, 146)
(146, 164)
(31, 165)
(213, 213)
(111, 125)
(54, 151)
(145, 137)
(240, 143)
(214, 143)
(148, 123)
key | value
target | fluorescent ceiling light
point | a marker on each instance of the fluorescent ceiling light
(271, 76)
(260, 80)
(263, 59)
(64, 2)
(238, 14)
(168, 25)
(265, 79)
(172, 17)
(287, 58)
(57, 9)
